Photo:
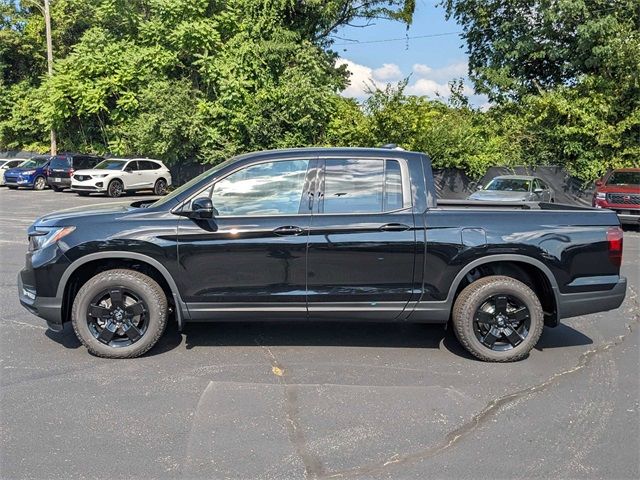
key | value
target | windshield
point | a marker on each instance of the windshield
(34, 162)
(192, 182)
(624, 178)
(509, 185)
(111, 164)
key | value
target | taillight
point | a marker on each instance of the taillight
(614, 239)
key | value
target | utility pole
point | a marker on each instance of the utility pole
(47, 24)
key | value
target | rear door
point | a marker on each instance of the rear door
(361, 249)
(148, 173)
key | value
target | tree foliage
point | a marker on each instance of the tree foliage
(201, 80)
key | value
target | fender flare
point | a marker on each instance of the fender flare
(506, 258)
(181, 308)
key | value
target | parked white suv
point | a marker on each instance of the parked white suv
(115, 176)
(6, 164)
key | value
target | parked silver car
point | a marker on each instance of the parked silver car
(6, 164)
(514, 188)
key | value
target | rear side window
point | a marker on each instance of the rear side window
(362, 186)
(85, 162)
(271, 188)
(146, 165)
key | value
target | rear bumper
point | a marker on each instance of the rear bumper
(629, 218)
(48, 308)
(59, 182)
(584, 303)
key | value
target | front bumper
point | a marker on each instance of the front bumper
(48, 308)
(79, 187)
(584, 303)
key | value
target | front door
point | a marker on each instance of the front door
(362, 243)
(250, 258)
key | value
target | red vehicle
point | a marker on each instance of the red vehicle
(619, 190)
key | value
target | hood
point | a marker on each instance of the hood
(619, 189)
(58, 218)
(15, 170)
(499, 196)
(96, 171)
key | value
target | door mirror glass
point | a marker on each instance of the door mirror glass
(201, 207)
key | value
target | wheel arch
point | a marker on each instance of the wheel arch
(539, 277)
(83, 268)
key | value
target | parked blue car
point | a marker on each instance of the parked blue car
(31, 173)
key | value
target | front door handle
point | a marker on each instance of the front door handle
(394, 227)
(288, 230)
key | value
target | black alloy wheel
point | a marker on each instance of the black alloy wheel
(502, 322)
(117, 317)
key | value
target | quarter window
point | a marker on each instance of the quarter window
(362, 186)
(272, 188)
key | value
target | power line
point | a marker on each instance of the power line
(403, 39)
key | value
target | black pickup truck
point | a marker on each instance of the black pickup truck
(321, 234)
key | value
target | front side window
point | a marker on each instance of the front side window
(362, 186)
(272, 188)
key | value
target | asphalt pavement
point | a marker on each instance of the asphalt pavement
(300, 400)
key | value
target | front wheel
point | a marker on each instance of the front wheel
(39, 183)
(119, 314)
(115, 189)
(498, 319)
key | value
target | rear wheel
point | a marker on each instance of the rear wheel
(39, 183)
(115, 189)
(11, 187)
(57, 189)
(119, 313)
(498, 319)
(160, 188)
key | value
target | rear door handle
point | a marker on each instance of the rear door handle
(394, 227)
(288, 230)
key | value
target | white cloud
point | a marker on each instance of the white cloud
(388, 72)
(432, 82)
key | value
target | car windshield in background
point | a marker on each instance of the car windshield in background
(624, 178)
(509, 185)
(111, 164)
(34, 162)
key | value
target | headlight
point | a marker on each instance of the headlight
(45, 236)
(28, 172)
(101, 175)
(601, 196)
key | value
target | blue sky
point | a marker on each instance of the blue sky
(432, 62)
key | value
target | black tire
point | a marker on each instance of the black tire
(11, 187)
(498, 319)
(149, 323)
(83, 194)
(57, 189)
(115, 189)
(39, 183)
(160, 188)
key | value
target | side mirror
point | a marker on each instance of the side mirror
(201, 207)
(599, 183)
(479, 187)
(538, 191)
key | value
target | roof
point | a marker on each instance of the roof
(327, 151)
(519, 177)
